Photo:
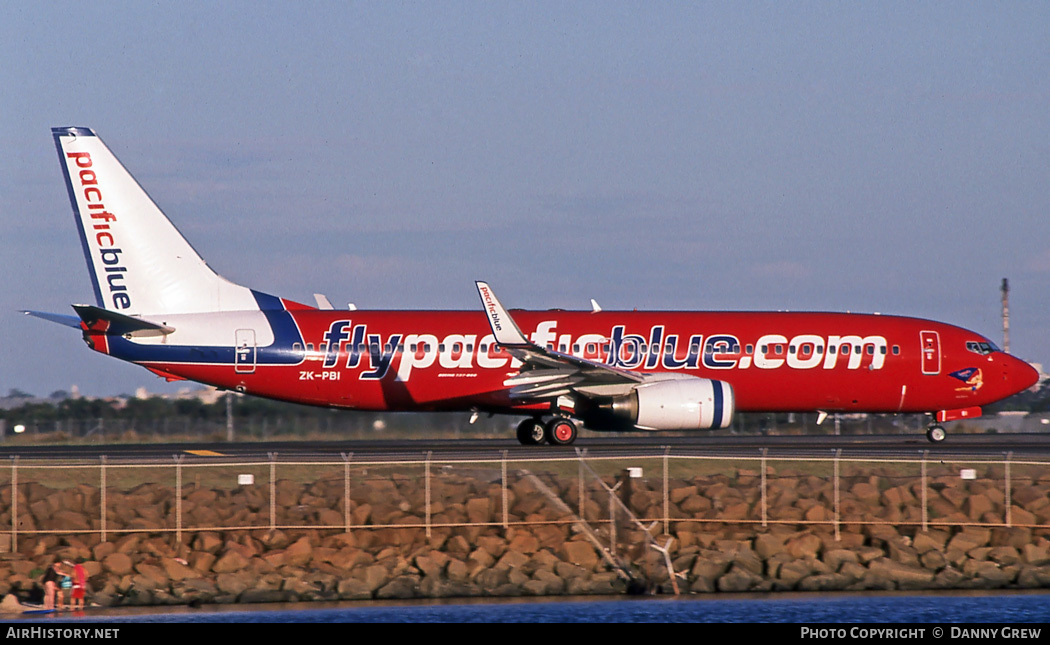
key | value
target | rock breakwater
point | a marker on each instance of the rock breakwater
(476, 534)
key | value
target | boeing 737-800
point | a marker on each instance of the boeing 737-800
(159, 305)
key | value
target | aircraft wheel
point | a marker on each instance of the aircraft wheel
(530, 432)
(560, 431)
(936, 434)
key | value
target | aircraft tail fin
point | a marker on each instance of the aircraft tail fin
(138, 261)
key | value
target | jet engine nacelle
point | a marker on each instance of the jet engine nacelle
(688, 403)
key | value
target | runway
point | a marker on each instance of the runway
(911, 445)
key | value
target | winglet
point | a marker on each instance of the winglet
(504, 328)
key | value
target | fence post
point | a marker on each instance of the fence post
(14, 504)
(612, 518)
(667, 492)
(273, 491)
(426, 479)
(580, 489)
(1009, 511)
(178, 499)
(925, 494)
(346, 490)
(102, 496)
(765, 514)
(838, 455)
(504, 485)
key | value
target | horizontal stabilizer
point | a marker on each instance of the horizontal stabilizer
(62, 319)
(120, 323)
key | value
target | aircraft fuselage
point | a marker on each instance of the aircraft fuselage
(448, 360)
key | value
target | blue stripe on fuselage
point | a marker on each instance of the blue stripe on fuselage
(280, 352)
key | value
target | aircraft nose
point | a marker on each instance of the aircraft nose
(1019, 374)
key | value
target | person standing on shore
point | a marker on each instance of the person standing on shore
(50, 586)
(65, 586)
(79, 584)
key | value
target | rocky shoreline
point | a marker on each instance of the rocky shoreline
(723, 536)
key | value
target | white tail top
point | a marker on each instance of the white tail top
(139, 262)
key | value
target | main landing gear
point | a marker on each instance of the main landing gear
(936, 434)
(559, 431)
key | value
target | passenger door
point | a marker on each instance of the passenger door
(931, 352)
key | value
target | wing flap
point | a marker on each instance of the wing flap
(546, 374)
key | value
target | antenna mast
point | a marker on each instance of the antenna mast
(1006, 316)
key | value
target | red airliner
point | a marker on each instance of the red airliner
(159, 305)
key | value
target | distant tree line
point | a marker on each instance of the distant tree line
(260, 419)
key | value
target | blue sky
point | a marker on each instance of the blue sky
(890, 157)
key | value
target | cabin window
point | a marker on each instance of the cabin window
(750, 349)
(779, 349)
(791, 349)
(896, 350)
(297, 347)
(309, 347)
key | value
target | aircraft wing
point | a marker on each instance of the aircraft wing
(547, 373)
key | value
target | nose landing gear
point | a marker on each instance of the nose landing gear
(936, 434)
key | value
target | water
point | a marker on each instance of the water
(984, 607)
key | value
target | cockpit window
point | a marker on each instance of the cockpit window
(982, 347)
